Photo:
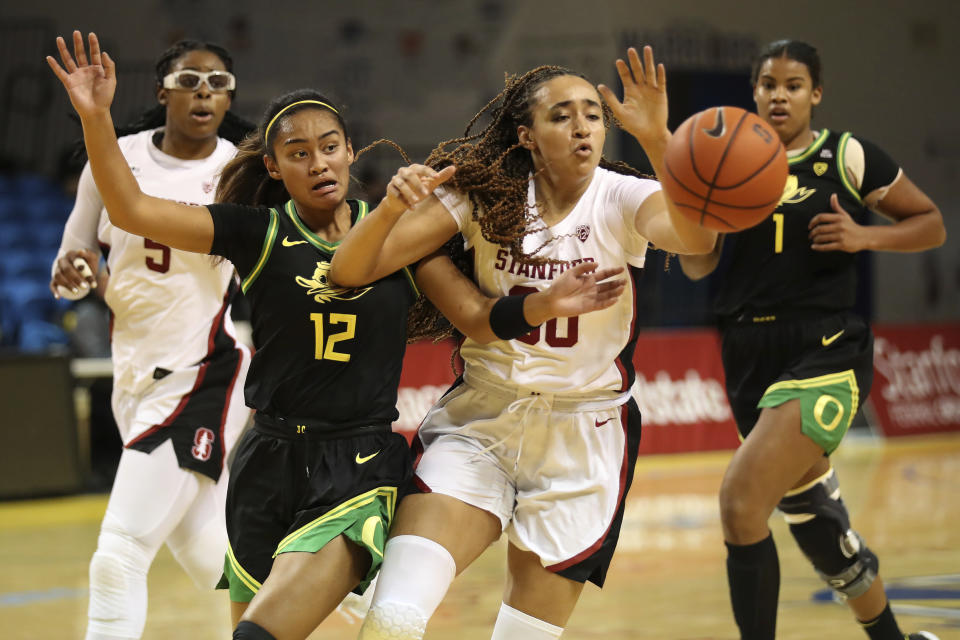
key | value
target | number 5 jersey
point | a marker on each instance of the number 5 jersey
(170, 308)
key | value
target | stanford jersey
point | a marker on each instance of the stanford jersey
(170, 307)
(589, 354)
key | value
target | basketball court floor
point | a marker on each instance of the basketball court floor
(667, 581)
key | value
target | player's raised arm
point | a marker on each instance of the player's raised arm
(643, 114)
(409, 223)
(90, 83)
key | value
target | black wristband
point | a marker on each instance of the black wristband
(506, 318)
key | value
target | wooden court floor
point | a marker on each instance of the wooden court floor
(667, 580)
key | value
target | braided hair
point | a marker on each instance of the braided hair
(494, 170)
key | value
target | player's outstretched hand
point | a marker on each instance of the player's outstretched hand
(414, 183)
(836, 231)
(583, 288)
(89, 83)
(643, 110)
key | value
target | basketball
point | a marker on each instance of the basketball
(725, 169)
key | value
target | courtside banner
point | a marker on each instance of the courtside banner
(679, 389)
(916, 384)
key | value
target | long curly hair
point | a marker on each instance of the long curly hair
(494, 170)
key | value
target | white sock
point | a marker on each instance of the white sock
(414, 577)
(514, 625)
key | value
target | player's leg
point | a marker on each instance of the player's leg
(820, 523)
(304, 588)
(149, 497)
(433, 539)
(580, 473)
(466, 502)
(774, 457)
(536, 602)
(199, 541)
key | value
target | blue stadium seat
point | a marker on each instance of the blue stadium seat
(38, 336)
(9, 208)
(33, 184)
(47, 234)
(51, 207)
(30, 263)
(12, 235)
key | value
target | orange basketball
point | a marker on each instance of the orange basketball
(725, 169)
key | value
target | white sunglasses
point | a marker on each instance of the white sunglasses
(190, 79)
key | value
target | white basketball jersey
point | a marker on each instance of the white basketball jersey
(584, 354)
(164, 301)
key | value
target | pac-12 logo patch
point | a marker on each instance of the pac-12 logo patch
(583, 232)
(207, 186)
(203, 440)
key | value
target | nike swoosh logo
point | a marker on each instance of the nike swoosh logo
(368, 533)
(287, 242)
(717, 131)
(366, 458)
(597, 423)
(825, 341)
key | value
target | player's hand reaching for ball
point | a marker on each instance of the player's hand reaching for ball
(414, 183)
(837, 231)
(643, 110)
(90, 83)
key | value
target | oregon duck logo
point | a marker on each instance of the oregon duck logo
(793, 192)
(322, 290)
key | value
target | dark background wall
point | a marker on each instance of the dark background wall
(417, 70)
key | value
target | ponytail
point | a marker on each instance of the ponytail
(244, 179)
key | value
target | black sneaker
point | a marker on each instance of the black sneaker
(921, 635)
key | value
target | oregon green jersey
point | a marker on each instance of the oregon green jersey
(772, 265)
(331, 354)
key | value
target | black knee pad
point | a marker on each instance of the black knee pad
(820, 524)
(247, 630)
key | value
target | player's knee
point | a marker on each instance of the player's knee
(820, 524)
(247, 630)
(738, 509)
(393, 621)
(118, 585)
(118, 556)
(415, 575)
